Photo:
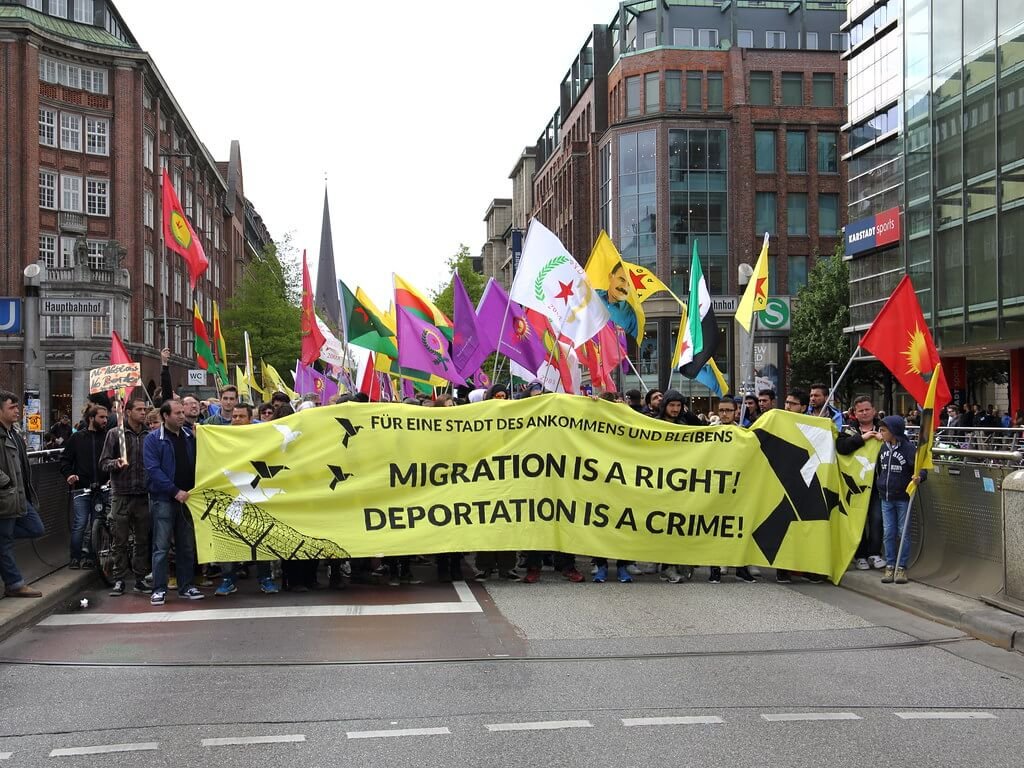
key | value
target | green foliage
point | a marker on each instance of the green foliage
(461, 262)
(266, 304)
(822, 311)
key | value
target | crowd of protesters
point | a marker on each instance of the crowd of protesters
(144, 467)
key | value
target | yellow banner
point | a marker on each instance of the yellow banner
(555, 472)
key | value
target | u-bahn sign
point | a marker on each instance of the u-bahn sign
(72, 307)
(10, 314)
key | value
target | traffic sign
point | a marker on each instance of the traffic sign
(196, 377)
(776, 316)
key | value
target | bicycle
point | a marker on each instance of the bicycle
(102, 540)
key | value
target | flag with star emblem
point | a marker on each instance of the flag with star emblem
(310, 381)
(700, 334)
(646, 283)
(612, 282)
(550, 281)
(900, 339)
(312, 339)
(755, 298)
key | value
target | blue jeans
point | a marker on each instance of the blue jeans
(28, 526)
(894, 516)
(83, 506)
(171, 518)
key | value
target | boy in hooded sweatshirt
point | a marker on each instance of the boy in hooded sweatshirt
(673, 410)
(894, 473)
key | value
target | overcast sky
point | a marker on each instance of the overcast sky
(416, 111)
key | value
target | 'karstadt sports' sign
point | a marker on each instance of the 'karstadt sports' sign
(873, 232)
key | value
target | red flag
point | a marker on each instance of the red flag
(900, 339)
(368, 382)
(179, 235)
(602, 354)
(118, 354)
(312, 338)
(555, 356)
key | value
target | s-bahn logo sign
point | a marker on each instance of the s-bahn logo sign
(873, 232)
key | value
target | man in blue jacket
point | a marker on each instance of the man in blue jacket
(894, 474)
(169, 454)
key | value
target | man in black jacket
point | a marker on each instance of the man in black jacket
(130, 496)
(853, 436)
(80, 465)
(18, 516)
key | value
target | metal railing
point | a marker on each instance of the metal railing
(38, 557)
(993, 446)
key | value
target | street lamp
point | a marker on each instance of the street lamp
(831, 375)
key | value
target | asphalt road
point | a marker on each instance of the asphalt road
(563, 674)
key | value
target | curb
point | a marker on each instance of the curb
(16, 613)
(973, 617)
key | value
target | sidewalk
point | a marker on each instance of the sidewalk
(16, 613)
(975, 618)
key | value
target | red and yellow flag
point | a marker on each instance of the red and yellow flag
(204, 352)
(900, 339)
(755, 298)
(179, 235)
(312, 337)
(220, 350)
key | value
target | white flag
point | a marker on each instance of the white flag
(552, 282)
(332, 351)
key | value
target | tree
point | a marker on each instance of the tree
(266, 305)
(461, 262)
(822, 311)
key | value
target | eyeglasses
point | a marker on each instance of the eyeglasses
(794, 402)
(726, 410)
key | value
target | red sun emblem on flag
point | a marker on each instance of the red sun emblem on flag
(520, 329)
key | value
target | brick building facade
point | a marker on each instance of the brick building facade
(89, 125)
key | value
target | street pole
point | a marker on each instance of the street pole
(746, 351)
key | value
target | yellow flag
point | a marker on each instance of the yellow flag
(272, 381)
(645, 282)
(755, 298)
(678, 351)
(367, 302)
(242, 383)
(611, 280)
(925, 436)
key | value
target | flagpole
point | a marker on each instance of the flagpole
(906, 525)
(854, 356)
(637, 374)
(501, 336)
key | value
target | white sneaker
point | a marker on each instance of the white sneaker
(671, 575)
(633, 569)
(877, 562)
(862, 564)
(648, 568)
(593, 568)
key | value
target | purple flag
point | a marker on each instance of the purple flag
(518, 341)
(408, 390)
(469, 345)
(309, 381)
(423, 347)
(387, 392)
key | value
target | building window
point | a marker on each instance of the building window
(652, 99)
(651, 39)
(148, 151)
(35, 5)
(84, 11)
(47, 70)
(47, 189)
(632, 96)
(796, 152)
(147, 99)
(48, 250)
(764, 151)
(828, 214)
(828, 152)
(812, 41)
(823, 89)
(94, 80)
(147, 209)
(47, 127)
(188, 200)
(177, 287)
(58, 326)
(71, 193)
(70, 132)
(716, 95)
(638, 198)
(764, 212)
(682, 37)
(59, 8)
(101, 325)
(97, 197)
(774, 39)
(177, 183)
(792, 89)
(204, 231)
(693, 87)
(97, 136)
(796, 213)
(797, 274)
(148, 267)
(67, 252)
(839, 41)
(95, 254)
(216, 236)
(707, 38)
(148, 323)
(745, 38)
(761, 88)
(69, 75)
(673, 90)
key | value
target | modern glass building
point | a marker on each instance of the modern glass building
(935, 131)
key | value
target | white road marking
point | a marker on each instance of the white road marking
(230, 741)
(398, 732)
(945, 716)
(790, 717)
(467, 603)
(147, 746)
(544, 725)
(630, 722)
(5, 755)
